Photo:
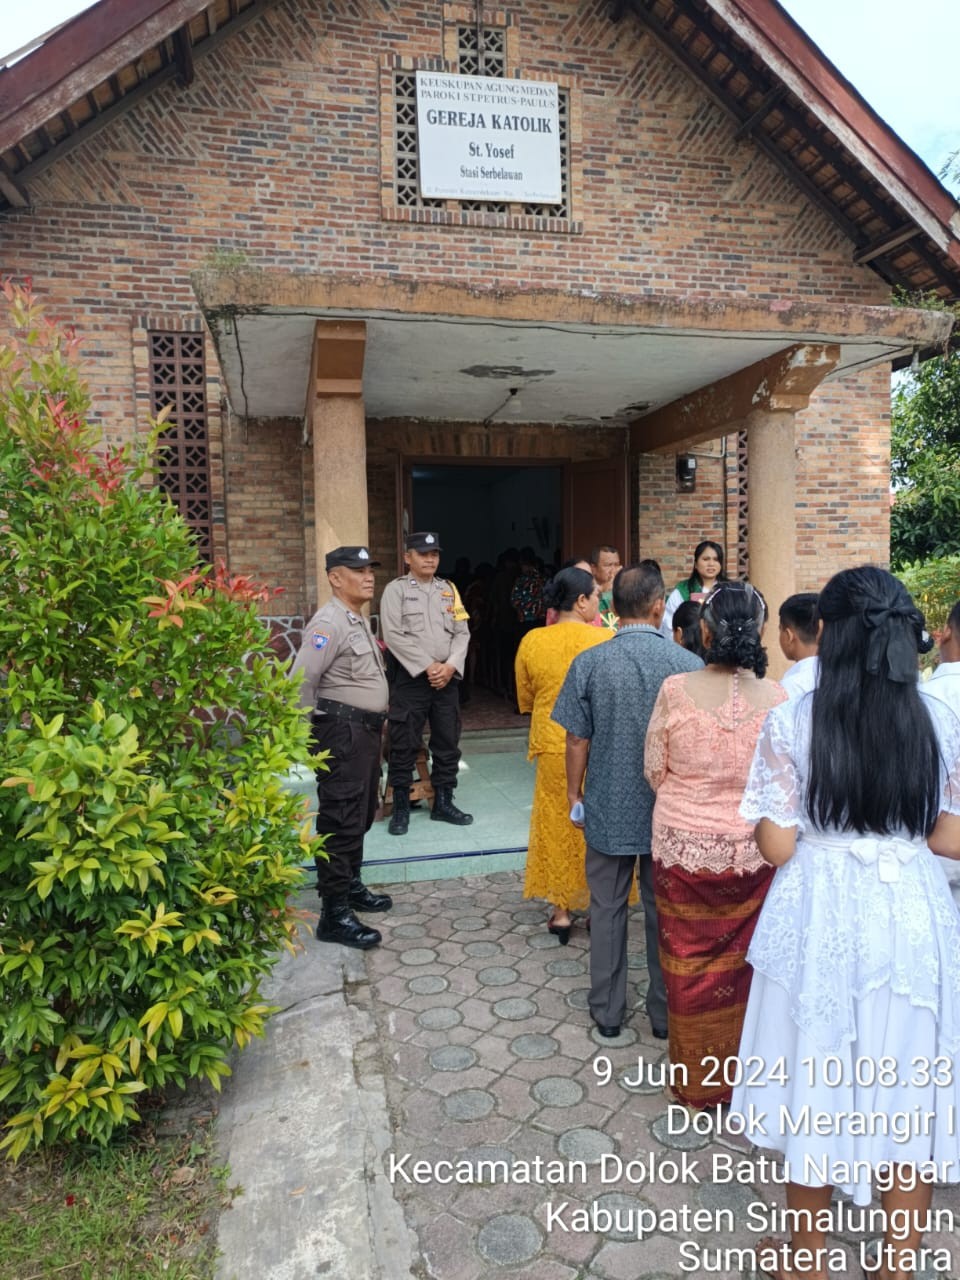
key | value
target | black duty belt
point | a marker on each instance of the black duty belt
(340, 711)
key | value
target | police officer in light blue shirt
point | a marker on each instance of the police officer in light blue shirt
(425, 626)
(344, 687)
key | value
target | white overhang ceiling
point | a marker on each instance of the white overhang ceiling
(468, 369)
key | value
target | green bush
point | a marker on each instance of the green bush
(935, 586)
(147, 847)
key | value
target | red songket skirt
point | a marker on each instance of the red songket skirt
(706, 921)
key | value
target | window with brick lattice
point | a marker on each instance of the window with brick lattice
(743, 498)
(178, 378)
(481, 51)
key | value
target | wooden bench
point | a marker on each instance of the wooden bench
(420, 789)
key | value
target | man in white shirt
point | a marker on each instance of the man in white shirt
(799, 641)
(944, 684)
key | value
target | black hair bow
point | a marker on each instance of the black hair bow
(891, 643)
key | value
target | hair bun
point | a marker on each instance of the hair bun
(733, 613)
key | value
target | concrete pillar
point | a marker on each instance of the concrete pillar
(336, 421)
(339, 478)
(772, 515)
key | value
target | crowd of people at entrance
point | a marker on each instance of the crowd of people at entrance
(788, 841)
(506, 600)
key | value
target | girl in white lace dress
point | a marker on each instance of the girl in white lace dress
(853, 1021)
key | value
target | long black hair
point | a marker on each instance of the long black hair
(566, 587)
(695, 582)
(734, 613)
(874, 758)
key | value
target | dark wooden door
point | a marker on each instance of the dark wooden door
(595, 507)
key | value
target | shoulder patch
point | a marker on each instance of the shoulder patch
(320, 639)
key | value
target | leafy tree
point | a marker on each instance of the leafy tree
(935, 586)
(147, 846)
(925, 462)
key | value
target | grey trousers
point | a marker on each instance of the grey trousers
(608, 876)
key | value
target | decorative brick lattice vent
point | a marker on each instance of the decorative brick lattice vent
(178, 378)
(743, 522)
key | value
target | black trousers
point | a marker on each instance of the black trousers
(412, 702)
(346, 798)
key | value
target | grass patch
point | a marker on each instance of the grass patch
(146, 1207)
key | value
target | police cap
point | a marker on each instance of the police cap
(350, 558)
(423, 542)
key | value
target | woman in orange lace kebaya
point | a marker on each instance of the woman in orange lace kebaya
(556, 851)
(709, 877)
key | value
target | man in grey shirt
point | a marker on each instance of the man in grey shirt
(605, 706)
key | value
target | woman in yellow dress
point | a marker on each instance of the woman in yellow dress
(556, 854)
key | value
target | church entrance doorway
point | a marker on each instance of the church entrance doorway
(509, 524)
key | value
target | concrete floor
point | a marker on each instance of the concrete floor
(464, 1038)
(496, 786)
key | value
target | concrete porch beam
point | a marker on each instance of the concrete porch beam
(228, 292)
(781, 382)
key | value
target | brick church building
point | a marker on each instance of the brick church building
(558, 273)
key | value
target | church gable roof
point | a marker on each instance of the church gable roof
(86, 72)
(788, 99)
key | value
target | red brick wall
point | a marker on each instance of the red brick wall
(843, 484)
(274, 153)
(670, 524)
(843, 477)
(265, 507)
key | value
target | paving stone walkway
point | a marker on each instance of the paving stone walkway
(524, 1144)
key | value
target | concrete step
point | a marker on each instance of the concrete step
(485, 741)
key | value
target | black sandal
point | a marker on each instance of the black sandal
(560, 931)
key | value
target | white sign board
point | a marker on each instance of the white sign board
(483, 138)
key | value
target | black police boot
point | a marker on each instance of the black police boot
(361, 899)
(339, 924)
(400, 818)
(444, 810)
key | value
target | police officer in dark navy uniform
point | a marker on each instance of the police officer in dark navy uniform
(345, 688)
(424, 625)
